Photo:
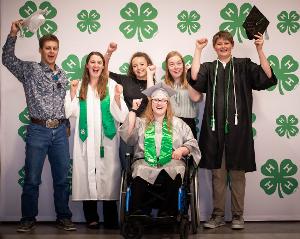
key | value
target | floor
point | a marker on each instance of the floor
(253, 230)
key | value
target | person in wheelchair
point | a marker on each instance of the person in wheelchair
(160, 141)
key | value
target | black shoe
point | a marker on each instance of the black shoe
(65, 224)
(26, 226)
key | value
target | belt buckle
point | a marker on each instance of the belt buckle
(52, 123)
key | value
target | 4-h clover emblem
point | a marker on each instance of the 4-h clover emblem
(188, 59)
(21, 173)
(73, 67)
(234, 21)
(288, 22)
(287, 126)
(49, 27)
(284, 72)
(139, 22)
(188, 22)
(25, 119)
(124, 68)
(253, 129)
(279, 178)
(88, 21)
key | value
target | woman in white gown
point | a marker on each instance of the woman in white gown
(98, 105)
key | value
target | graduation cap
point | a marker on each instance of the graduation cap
(255, 22)
(33, 22)
(159, 90)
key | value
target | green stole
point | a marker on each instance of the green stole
(108, 123)
(165, 149)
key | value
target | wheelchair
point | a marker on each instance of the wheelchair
(132, 226)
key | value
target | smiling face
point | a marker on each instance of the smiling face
(175, 66)
(159, 106)
(95, 66)
(49, 53)
(139, 67)
(223, 48)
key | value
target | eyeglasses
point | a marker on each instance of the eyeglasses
(162, 101)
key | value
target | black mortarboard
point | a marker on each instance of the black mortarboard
(254, 23)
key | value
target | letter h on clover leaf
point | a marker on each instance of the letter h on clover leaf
(284, 72)
(49, 27)
(139, 22)
(279, 178)
(188, 22)
(288, 22)
(88, 21)
(287, 126)
(234, 19)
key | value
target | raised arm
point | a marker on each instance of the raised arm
(200, 44)
(110, 49)
(150, 75)
(259, 42)
(9, 59)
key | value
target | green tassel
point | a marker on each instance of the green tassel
(101, 151)
(226, 127)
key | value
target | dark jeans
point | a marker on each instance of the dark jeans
(41, 141)
(110, 212)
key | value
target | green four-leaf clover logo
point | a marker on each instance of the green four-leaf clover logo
(288, 22)
(88, 21)
(49, 27)
(279, 178)
(73, 67)
(21, 173)
(284, 72)
(234, 21)
(188, 59)
(188, 22)
(253, 129)
(287, 126)
(124, 68)
(25, 119)
(139, 22)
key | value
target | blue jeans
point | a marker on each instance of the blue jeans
(41, 141)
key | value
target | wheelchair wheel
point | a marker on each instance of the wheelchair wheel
(122, 205)
(132, 230)
(184, 228)
(194, 203)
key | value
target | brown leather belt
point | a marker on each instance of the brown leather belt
(49, 123)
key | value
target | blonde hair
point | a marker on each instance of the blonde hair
(149, 116)
(168, 77)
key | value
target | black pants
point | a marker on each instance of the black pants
(169, 188)
(110, 213)
(192, 123)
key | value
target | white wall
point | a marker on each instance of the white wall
(268, 105)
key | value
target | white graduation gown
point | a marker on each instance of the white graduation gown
(96, 178)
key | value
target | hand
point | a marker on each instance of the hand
(118, 90)
(177, 154)
(151, 70)
(201, 43)
(111, 48)
(259, 41)
(136, 103)
(74, 85)
(15, 27)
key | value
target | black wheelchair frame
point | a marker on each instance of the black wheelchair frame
(132, 226)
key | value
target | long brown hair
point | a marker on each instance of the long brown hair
(168, 77)
(138, 54)
(149, 116)
(103, 78)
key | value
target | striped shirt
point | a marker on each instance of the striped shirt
(44, 89)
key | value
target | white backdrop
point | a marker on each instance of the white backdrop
(270, 195)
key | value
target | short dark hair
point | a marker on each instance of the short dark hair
(224, 35)
(48, 37)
